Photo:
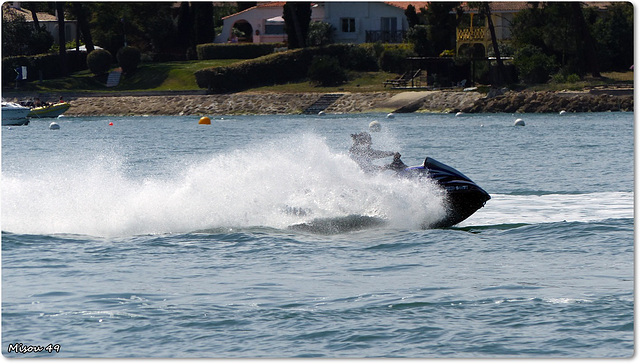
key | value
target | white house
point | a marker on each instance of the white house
(354, 22)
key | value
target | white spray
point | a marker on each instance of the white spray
(276, 184)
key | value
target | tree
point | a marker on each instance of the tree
(20, 38)
(203, 22)
(412, 16)
(81, 13)
(613, 33)
(421, 37)
(33, 7)
(15, 34)
(61, 38)
(559, 29)
(297, 16)
(106, 25)
(584, 40)
(486, 9)
(148, 26)
(443, 24)
(320, 34)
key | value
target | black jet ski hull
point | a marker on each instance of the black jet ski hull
(464, 197)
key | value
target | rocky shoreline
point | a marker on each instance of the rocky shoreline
(553, 102)
(295, 103)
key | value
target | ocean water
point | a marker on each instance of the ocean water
(158, 237)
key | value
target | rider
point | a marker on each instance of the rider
(362, 153)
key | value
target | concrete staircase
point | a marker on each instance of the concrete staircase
(322, 103)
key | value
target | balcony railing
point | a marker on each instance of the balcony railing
(470, 34)
(385, 36)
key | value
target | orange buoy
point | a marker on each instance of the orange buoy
(204, 120)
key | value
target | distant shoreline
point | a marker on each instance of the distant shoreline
(198, 103)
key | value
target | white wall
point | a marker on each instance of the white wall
(367, 17)
(257, 18)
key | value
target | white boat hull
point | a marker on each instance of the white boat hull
(14, 114)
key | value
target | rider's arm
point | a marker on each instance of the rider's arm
(377, 154)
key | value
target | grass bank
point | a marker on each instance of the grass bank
(179, 76)
(164, 76)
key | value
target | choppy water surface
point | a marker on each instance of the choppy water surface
(159, 237)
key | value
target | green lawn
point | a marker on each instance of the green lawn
(358, 82)
(179, 76)
(165, 76)
(168, 76)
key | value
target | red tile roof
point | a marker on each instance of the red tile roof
(404, 4)
(515, 6)
(8, 9)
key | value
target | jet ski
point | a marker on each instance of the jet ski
(464, 197)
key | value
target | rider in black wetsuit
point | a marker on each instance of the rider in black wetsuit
(363, 154)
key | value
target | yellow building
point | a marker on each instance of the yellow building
(473, 31)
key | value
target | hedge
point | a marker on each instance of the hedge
(273, 69)
(49, 64)
(99, 61)
(128, 58)
(235, 51)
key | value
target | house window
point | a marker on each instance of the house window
(348, 25)
(388, 24)
(274, 28)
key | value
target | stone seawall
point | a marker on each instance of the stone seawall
(231, 104)
(552, 102)
(294, 103)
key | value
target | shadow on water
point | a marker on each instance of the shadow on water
(480, 228)
(338, 225)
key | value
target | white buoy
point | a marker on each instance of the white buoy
(459, 113)
(518, 122)
(562, 112)
(391, 115)
(375, 126)
(321, 113)
(54, 126)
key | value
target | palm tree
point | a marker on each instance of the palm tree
(80, 12)
(61, 38)
(486, 9)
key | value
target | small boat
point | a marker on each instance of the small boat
(14, 114)
(49, 111)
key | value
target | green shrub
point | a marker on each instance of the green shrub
(533, 65)
(40, 41)
(128, 58)
(326, 71)
(573, 78)
(276, 68)
(420, 37)
(362, 59)
(235, 51)
(320, 34)
(9, 64)
(395, 60)
(99, 61)
(46, 65)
